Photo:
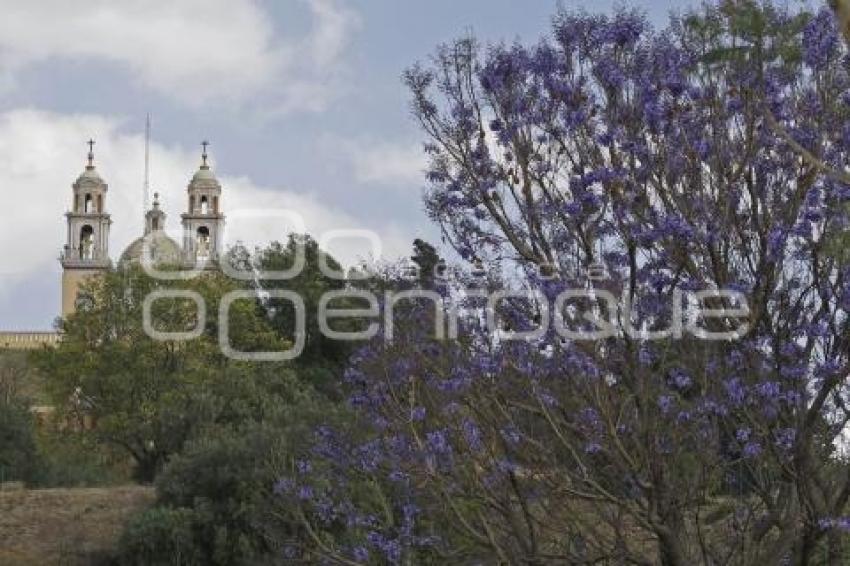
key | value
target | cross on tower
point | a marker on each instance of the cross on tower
(91, 152)
(204, 143)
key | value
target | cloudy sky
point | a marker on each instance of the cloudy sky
(301, 100)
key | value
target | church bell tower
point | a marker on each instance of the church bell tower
(203, 223)
(86, 252)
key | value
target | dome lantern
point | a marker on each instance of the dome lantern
(155, 246)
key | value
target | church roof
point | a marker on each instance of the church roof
(90, 174)
(163, 250)
(204, 178)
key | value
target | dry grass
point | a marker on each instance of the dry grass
(67, 527)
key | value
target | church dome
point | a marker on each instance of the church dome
(163, 250)
(90, 175)
(204, 174)
(204, 178)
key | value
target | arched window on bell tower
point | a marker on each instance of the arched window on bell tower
(205, 205)
(202, 243)
(87, 242)
(89, 204)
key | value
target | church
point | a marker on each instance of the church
(86, 250)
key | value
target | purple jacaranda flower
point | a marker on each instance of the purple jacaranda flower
(305, 493)
(511, 435)
(369, 455)
(547, 398)
(283, 486)
(472, 435)
(752, 449)
(795, 372)
(835, 523)
(703, 148)
(790, 349)
(735, 390)
(776, 241)
(506, 466)
(828, 368)
(785, 438)
(360, 554)
(821, 39)
(735, 358)
(769, 390)
(680, 379)
(589, 417)
(398, 476)
(438, 442)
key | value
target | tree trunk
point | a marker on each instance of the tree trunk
(804, 550)
(147, 468)
(670, 550)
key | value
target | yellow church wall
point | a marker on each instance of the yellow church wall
(72, 280)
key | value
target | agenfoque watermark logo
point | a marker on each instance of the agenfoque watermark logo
(590, 313)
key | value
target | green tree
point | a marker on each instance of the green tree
(427, 259)
(322, 359)
(311, 284)
(19, 459)
(145, 396)
(219, 493)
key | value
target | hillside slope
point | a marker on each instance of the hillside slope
(71, 527)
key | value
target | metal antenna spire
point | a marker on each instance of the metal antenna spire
(147, 186)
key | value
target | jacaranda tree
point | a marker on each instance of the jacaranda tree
(708, 156)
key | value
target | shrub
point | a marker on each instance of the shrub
(77, 460)
(160, 536)
(219, 488)
(19, 460)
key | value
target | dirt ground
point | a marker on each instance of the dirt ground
(67, 527)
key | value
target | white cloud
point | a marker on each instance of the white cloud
(257, 216)
(334, 26)
(387, 164)
(42, 153)
(400, 165)
(196, 51)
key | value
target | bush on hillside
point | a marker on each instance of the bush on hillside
(19, 458)
(160, 536)
(215, 499)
